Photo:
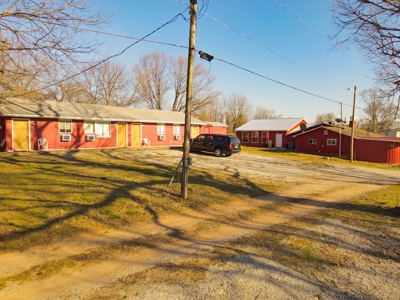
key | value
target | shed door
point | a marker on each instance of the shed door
(278, 141)
(135, 135)
(121, 135)
(21, 134)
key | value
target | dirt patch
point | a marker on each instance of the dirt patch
(189, 257)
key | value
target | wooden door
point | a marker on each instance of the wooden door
(121, 135)
(195, 131)
(20, 135)
(136, 135)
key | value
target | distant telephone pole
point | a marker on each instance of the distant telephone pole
(188, 111)
(353, 118)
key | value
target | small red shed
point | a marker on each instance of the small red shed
(270, 133)
(335, 140)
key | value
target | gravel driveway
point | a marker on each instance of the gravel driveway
(173, 270)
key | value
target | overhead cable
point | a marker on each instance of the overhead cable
(108, 58)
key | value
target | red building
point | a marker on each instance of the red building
(335, 140)
(270, 133)
(32, 124)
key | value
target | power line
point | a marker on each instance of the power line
(301, 20)
(106, 59)
(265, 47)
(281, 83)
(185, 47)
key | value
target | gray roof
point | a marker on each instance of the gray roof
(283, 124)
(27, 108)
(218, 124)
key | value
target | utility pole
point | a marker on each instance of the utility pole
(188, 111)
(352, 125)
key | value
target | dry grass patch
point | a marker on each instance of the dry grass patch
(46, 197)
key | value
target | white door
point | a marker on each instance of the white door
(278, 140)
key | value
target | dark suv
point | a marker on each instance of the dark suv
(217, 143)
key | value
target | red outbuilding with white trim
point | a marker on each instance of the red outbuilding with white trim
(270, 133)
(335, 140)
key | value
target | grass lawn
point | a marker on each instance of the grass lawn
(45, 197)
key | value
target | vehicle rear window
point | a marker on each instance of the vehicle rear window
(235, 140)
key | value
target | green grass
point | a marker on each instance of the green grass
(46, 198)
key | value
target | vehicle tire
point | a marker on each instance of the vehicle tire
(228, 154)
(218, 152)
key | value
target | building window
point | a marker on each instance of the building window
(245, 137)
(331, 142)
(254, 137)
(265, 136)
(160, 128)
(103, 129)
(312, 141)
(325, 132)
(177, 129)
(88, 127)
(65, 126)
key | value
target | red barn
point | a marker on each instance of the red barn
(37, 125)
(335, 139)
(270, 133)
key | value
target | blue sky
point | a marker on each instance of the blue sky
(258, 35)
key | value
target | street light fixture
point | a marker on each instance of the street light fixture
(353, 123)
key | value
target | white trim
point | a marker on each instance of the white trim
(59, 127)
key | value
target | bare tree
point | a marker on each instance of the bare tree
(237, 110)
(329, 117)
(213, 112)
(265, 113)
(202, 92)
(22, 80)
(47, 30)
(151, 77)
(109, 84)
(60, 87)
(374, 26)
(380, 112)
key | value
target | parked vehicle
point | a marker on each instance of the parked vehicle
(219, 144)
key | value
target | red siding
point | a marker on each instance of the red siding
(322, 147)
(271, 135)
(377, 151)
(49, 129)
(364, 149)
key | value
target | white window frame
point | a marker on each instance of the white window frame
(62, 123)
(89, 127)
(254, 137)
(331, 142)
(312, 141)
(243, 137)
(103, 129)
(161, 128)
(177, 129)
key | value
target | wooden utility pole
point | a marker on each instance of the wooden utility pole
(352, 125)
(188, 111)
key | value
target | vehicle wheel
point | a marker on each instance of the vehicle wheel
(228, 154)
(218, 152)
